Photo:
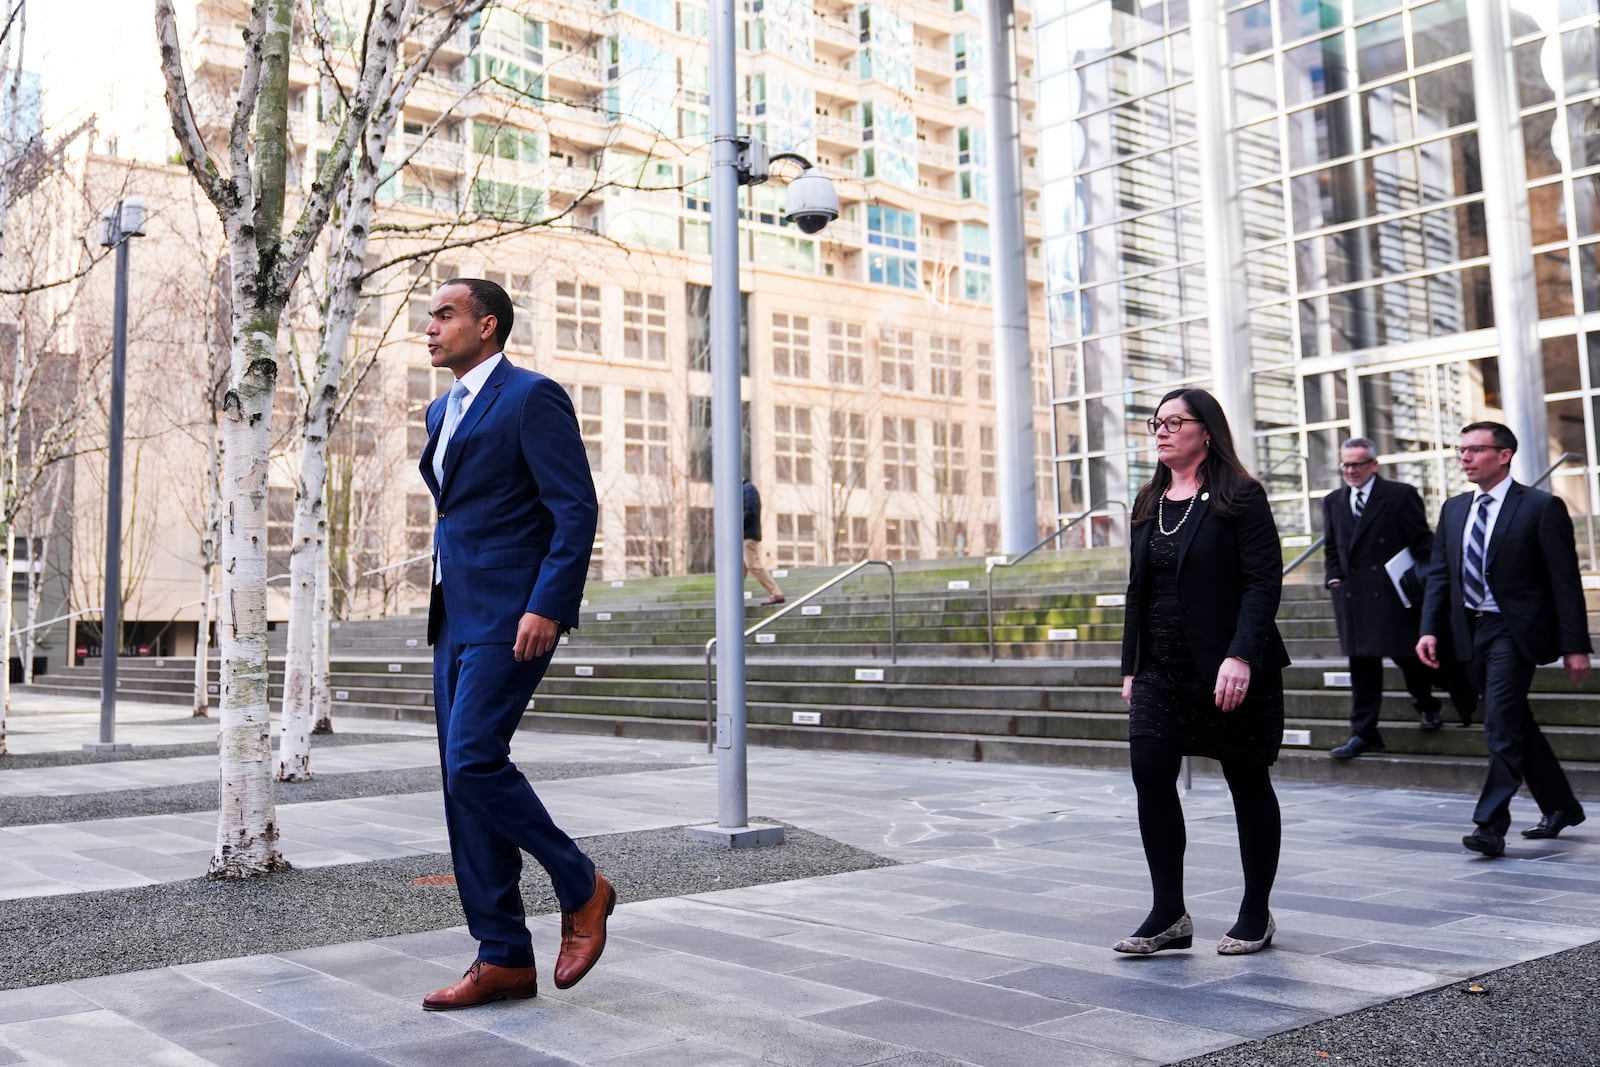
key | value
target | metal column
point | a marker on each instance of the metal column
(111, 616)
(732, 828)
(1223, 227)
(1013, 360)
(1506, 213)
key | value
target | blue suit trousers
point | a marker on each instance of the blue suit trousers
(493, 815)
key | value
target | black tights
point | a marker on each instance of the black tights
(1255, 806)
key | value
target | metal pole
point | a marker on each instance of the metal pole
(1506, 215)
(1013, 360)
(111, 626)
(1223, 228)
(727, 447)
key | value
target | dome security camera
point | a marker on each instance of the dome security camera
(811, 202)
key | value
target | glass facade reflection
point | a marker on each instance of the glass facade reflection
(1355, 152)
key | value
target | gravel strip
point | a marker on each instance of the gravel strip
(29, 760)
(202, 796)
(57, 938)
(1535, 1014)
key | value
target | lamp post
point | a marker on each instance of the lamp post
(116, 226)
(812, 203)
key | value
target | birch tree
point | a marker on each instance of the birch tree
(303, 710)
(247, 185)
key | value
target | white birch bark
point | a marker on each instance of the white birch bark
(265, 262)
(305, 672)
(208, 569)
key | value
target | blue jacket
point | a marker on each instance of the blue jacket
(752, 512)
(516, 510)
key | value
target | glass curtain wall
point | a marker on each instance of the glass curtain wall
(1369, 297)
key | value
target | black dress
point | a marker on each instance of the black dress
(1170, 700)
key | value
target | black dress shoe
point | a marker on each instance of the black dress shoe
(1355, 747)
(1431, 720)
(1485, 841)
(1553, 823)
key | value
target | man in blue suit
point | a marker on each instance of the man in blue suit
(515, 526)
(1506, 589)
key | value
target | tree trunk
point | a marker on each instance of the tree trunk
(5, 627)
(321, 705)
(208, 568)
(247, 829)
(310, 537)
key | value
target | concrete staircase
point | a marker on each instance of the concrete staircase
(636, 668)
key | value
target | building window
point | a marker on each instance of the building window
(949, 459)
(952, 538)
(423, 386)
(847, 456)
(1041, 379)
(697, 320)
(419, 539)
(644, 326)
(892, 241)
(851, 539)
(899, 453)
(587, 402)
(897, 358)
(791, 444)
(647, 545)
(644, 432)
(944, 365)
(578, 318)
(846, 345)
(797, 540)
(986, 461)
(901, 539)
(985, 371)
(597, 554)
(791, 345)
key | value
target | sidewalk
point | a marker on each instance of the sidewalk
(988, 944)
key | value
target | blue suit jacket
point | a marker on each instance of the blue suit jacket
(516, 510)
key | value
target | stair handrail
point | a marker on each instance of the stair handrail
(711, 644)
(1307, 554)
(993, 563)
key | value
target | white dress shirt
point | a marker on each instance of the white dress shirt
(474, 380)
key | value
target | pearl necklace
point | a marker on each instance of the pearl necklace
(1161, 522)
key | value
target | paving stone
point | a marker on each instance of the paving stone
(757, 1033)
(976, 1000)
(41, 1002)
(92, 1037)
(472, 1047)
(379, 969)
(273, 1044)
(1136, 1035)
(966, 1039)
(793, 993)
(167, 1002)
(684, 1052)
(562, 1028)
(771, 956)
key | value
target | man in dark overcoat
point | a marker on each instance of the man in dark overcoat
(1368, 522)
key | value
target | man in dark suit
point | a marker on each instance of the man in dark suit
(1507, 590)
(1367, 524)
(516, 521)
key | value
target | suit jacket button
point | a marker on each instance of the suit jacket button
(441, 515)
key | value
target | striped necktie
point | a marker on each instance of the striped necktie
(1474, 582)
(1360, 502)
(452, 415)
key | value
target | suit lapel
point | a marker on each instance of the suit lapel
(471, 418)
(1376, 497)
(1503, 521)
(1202, 508)
(433, 424)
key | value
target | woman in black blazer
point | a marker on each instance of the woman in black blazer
(1202, 661)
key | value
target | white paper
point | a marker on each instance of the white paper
(1399, 564)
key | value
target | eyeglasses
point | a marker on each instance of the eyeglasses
(1356, 466)
(1173, 423)
(1467, 450)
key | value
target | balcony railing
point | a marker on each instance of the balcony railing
(936, 154)
(840, 33)
(935, 60)
(434, 151)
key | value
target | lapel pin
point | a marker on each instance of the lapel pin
(1205, 496)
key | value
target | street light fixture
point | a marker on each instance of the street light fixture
(116, 226)
(812, 204)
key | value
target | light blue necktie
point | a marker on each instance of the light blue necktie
(452, 415)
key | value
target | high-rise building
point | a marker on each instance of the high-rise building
(576, 133)
(1347, 216)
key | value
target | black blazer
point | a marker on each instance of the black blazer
(1372, 620)
(1230, 577)
(1532, 570)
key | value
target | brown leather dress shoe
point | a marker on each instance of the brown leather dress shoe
(484, 983)
(583, 934)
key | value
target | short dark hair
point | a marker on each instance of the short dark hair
(489, 299)
(1503, 437)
